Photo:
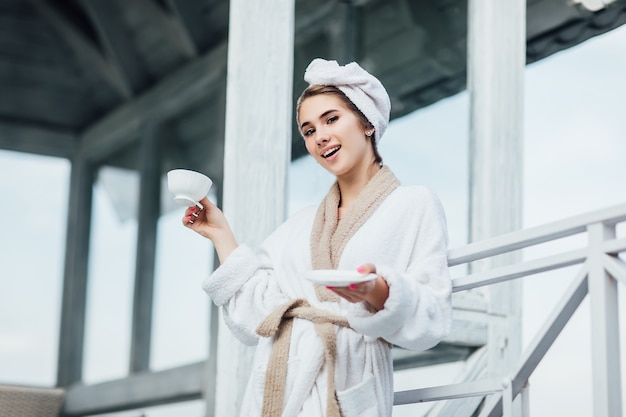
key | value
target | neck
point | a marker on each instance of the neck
(350, 186)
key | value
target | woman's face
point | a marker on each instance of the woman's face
(334, 135)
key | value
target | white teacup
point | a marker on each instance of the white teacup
(188, 187)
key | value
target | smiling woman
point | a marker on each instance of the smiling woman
(326, 115)
(325, 350)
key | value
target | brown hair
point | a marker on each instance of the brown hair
(314, 90)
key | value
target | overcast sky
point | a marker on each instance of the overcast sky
(574, 162)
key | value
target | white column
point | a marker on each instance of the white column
(257, 152)
(496, 61)
(605, 343)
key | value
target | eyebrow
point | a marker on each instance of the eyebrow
(326, 113)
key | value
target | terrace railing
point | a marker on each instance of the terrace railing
(601, 270)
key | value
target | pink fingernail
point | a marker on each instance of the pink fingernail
(329, 287)
(352, 287)
(360, 269)
(192, 209)
(188, 217)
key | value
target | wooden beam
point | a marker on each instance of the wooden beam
(140, 390)
(86, 53)
(115, 39)
(257, 134)
(171, 96)
(171, 26)
(203, 22)
(147, 218)
(346, 35)
(311, 22)
(442, 353)
(495, 79)
(37, 140)
(73, 306)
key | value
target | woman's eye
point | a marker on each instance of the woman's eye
(308, 132)
(332, 119)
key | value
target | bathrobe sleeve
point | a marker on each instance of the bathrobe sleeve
(251, 284)
(418, 313)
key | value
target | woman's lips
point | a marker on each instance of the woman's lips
(330, 152)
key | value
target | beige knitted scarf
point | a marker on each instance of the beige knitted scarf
(328, 239)
(279, 324)
(329, 236)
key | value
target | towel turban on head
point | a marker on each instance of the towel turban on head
(362, 88)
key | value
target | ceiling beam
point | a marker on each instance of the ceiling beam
(171, 26)
(172, 95)
(33, 139)
(86, 53)
(202, 20)
(114, 37)
(310, 23)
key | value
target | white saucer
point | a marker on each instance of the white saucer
(336, 278)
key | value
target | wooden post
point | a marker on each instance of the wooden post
(72, 333)
(605, 343)
(496, 64)
(256, 153)
(147, 219)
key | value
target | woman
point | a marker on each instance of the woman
(325, 351)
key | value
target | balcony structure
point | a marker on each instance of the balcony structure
(163, 98)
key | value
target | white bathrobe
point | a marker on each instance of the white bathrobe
(406, 239)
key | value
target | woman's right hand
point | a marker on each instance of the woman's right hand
(208, 222)
(211, 223)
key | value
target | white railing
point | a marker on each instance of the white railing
(600, 272)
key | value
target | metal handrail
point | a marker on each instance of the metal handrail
(601, 270)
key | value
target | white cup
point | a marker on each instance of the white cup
(188, 187)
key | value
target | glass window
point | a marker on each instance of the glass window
(33, 216)
(181, 309)
(111, 273)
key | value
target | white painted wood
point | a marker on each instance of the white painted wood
(551, 328)
(257, 152)
(461, 390)
(614, 247)
(521, 269)
(493, 402)
(525, 401)
(496, 63)
(532, 236)
(605, 343)
(507, 398)
(460, 407)
(599, 276)
(616, 268)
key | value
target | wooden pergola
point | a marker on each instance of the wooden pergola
(180, 82)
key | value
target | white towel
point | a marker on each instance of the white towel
(362, 88)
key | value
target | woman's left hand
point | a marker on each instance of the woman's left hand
(375, 292)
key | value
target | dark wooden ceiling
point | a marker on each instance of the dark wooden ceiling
(73, 71)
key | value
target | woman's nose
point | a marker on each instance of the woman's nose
(322, 136)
